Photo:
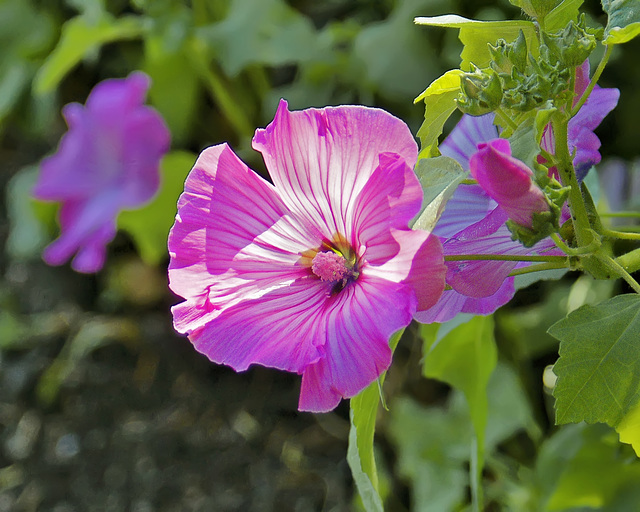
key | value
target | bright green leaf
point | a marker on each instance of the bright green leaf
(439, 178)
(476, 35)
(440, 102)
(629, 428)
(566, 11)
(79, 38)
(149, 226)
(364, 409)
(599, 366)
(624, 20)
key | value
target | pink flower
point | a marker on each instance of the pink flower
(107, 162)
(507, 181)
(314, 273)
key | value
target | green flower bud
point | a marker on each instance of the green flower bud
(572, 45)
(481, 92)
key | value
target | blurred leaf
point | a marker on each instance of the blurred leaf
(394, 51)
(440, 102)
(624, 20)
(629, 428)
(476, 35)
(12, 330)
(260, 31)
(582, 466)
(149, 226)
(465, 359)
(439, 178)
(175, 86)
(79, 37)
(93, 334)
(360, 455)
(599, 366)
(433, 443)
(27, 236)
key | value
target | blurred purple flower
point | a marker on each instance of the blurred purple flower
(507, 181)
(314, 273)
(108, 161)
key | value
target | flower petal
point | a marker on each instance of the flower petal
(356, 345)
(468, 205)
(463, 140)
(233, 238)
(320, 160)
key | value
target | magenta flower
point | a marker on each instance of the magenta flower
(107, 162)
(507, 181)
(313, 273)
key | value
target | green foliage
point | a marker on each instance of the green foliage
(477, 35)
(80, 37)
(623, 20)
(599, 366)
(149, 226)
(440, 101)
(439, 178)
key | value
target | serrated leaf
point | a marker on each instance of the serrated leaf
(477, 35)
(149, 226)
(599, 366)
(440, 102)
(80, 36)
(624, 20)
(439, 178)
(360, 456)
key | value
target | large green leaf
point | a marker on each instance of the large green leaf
(477, 35)
(81, 36)
(566, 11)
(440, 101)
(439, 178)
(360, 456)
(149, 226)
(599, 366)
(624, 20)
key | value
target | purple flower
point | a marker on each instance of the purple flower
(507, 181)
(107, 162)
(313, 273)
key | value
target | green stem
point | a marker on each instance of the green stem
(506, 119)
(634, 215)
(620, 234)
(475, 468)
(630, 261)
(502, 257)
(587, 249)
(594, 80)
(618, 269)
(541, 267)
(468, 181)
(579, 215)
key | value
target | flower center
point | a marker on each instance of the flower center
(331, 266)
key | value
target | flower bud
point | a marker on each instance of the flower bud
(508, 181)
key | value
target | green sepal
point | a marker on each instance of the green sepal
(481, 92)
(572, 45)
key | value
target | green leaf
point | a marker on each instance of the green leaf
(476, 35)
(629, 428)
(583, 466)
(79, 38)
(566, 11)
(174, 86)
(599, 366)
(465, 359)
(440, 102)
(360, 456)
(624, 20)
(439, 178)
(260, 31)
(149, 226)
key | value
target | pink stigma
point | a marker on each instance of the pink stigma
(330, 266)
